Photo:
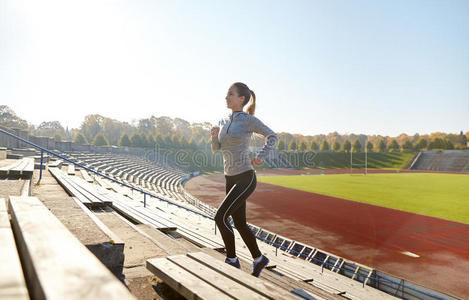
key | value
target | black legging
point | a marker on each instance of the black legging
(238, 189)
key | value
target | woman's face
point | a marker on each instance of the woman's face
(233, 100)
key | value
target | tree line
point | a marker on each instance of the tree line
(177, 133)
(380, 146)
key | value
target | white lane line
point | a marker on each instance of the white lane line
(410, 254)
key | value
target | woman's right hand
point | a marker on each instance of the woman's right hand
(214, 131)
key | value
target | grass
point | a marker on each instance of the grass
(316, 160)
(341, 160)
(443, 196)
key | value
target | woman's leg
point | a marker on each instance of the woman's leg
(239, 219)
(242, 186)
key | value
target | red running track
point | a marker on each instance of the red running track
(368, 234)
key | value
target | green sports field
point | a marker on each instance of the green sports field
(443, 196)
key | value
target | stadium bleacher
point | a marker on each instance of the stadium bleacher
(181, 226)
(444, 160)
(169, 217)
(275, 160)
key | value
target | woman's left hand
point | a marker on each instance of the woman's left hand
(256, 162)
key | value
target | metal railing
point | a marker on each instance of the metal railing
(377, 278)
(145, 193)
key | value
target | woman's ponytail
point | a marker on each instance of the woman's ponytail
(249, 97)
(251, 104)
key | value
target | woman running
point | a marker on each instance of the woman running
(232, 137)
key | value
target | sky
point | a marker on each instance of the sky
(370, 67)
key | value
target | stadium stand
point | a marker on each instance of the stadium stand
(275, 159)
(150, 197)
(444, 160)
(200, 232)
(130, 207)
(165, 181)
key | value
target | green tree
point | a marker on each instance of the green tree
(421, 144)
(203, 144)
(124, 141)
(369, 146)
(393, 146)
(164, 126)
(292, 145)
(168, 142)
(463, 139)
(150, 141)
(182, 128)
(58, 137)
(136, 140)
(447, 144)
(147, 126)
(303, 146)
(347, 146)
(100, 140)
(200, 130)
(160, 141)
(314, 146)
(143, 140)
(192, 143)
(324, 146)
(80, 139)
(407, 146)
(68, 135)
(91, 126)
(357, 146)
(183, 142)
(336, 146)
(8, 118)
(50, 129)
(436, 143)
(281, 145)
(113, 130)
(381, 146)
(175, 142)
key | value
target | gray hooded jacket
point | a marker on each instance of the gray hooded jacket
(233, 140)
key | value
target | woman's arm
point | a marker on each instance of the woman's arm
(257, 126)
(215, 142)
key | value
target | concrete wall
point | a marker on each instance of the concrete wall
(51, 144)
(9, 142)
(3, 153)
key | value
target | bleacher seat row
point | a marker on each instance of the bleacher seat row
(163, 181)
(21, 168)
(40, 255)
